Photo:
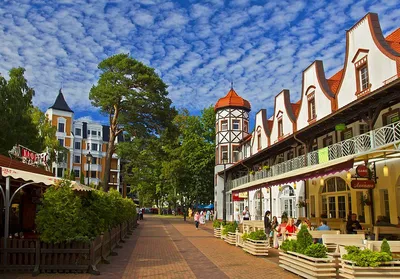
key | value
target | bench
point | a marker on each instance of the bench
(376, 246)
(333, 241)
(385, 230)
(318, 234)
(251, 226)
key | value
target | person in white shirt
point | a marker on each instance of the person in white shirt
(246, 213)
(237, 216)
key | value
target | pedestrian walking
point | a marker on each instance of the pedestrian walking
(197, 219)
(141, 214)
(237, 216)
(202, 218)
(208, 215)
(246, 213)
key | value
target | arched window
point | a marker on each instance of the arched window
(287, 198)
(258, 201)
(336, 198)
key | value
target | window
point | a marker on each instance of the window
(77, 173)
(347, 134)
(364, 77)
(327, 141)
(94, 133)
(301, 151)
(280, 128)
(311, 109)
(259, 141)
(224, 153)
(61, 127)
(224, 125)
(78, 131)
(246, 126)
(93, 174)
(312, 204)
(236, 124)
(336, 201)
(290, 155)
(98, 133)
(88, 132)
(94, 147)
(60, 172)
(235, 153)
(77, 145)
(77, 159)
(391, 117)
(61, 142)
(385, 203)
(363, 128)
(94, 160)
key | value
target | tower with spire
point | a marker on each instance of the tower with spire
(232, 125)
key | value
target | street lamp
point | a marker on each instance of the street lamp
(224, 161)
(89, 158)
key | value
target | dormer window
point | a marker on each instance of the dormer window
(364, 77)
(311, 109)
(280, 128)
(259, 141)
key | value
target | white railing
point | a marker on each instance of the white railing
(356, 145)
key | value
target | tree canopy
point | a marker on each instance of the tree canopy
(134, 98)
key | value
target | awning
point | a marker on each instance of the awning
(334, 166)
(28, 176)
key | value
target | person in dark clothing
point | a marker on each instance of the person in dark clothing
(267, 222)
(353, 224)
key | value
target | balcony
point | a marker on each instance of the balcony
(369, 141)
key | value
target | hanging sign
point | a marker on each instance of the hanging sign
(28, 156)
(243, 195)
(362, 171)
(362, 184)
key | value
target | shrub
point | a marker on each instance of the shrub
(316, 250)
(304, 239)
(258, 235)
(289, 245)
(385, 247)
(245, 236)
(229, 227)
(216, 223)
(67, 216)
(365, 258)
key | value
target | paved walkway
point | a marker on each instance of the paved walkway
(169, 248)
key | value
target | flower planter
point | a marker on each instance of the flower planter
(217, 232)
(256, 247)
(231, 238)
(239, 240)
(388, 270)
(308, 267)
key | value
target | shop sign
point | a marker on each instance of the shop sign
(243, 195)
(28, 156)
(362, 171)
(362, 184)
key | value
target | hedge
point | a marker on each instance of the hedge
(65, 215)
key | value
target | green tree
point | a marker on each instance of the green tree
(15, 113)
(134, 98)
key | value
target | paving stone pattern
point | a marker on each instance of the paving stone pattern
(172, 249)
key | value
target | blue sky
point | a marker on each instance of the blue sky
(197, 47)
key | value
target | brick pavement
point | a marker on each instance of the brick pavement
(170, 248)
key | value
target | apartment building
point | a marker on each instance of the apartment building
(334, 152)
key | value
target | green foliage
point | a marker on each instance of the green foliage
(316, 250)
(15, 113)
(258, 235)
(229, 227)
(289, 245)
(245, 236)
(304, 239)
(82, 179)
(134, 98)
(385, 247)
(366, 257)
(216, 223)
(66, 216)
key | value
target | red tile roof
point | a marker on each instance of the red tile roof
(394, 40)
(296, 109)
(232, 99)
(7, 162)
(334, 81)
(270, 123)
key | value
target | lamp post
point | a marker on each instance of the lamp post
(89, 158)
(224, 161)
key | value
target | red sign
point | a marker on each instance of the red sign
(28, 156)
(362, 184)
(235, 197)
(362, 171)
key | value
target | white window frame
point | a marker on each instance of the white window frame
(224, 125)
(61, 120)
(77, 156)
(364, 78)
(234, 123)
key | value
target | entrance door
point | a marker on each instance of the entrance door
(288, 206)
(258, 205)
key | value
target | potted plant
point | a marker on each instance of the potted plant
(305, 258)
(365, 200)
(251, 172)
(256, 243)
(217, 228)
(229, 232)
(357, 262)
(266, 167)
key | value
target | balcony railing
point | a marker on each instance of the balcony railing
(359, 144)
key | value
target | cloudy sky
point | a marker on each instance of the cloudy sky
(197, 47)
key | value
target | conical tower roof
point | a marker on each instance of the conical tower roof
(60, 103)
(232, 99)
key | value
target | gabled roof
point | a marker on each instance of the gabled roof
(334, 81)
(296, 108)
(232, 99)
(60, 103)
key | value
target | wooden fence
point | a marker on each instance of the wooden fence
(32, 255)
